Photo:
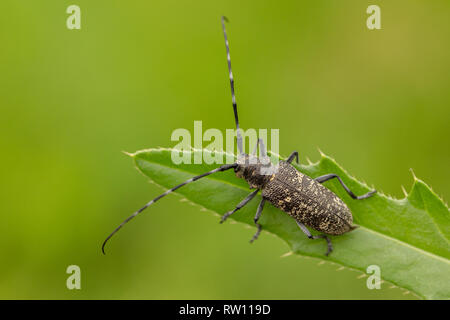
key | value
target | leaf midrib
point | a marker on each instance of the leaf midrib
(431, 217)
(407, 245)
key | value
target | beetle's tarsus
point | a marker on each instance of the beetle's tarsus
(256, 219)
(367, 195)
(225, 216)
(330, 246)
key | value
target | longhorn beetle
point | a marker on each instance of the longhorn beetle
(303, 198)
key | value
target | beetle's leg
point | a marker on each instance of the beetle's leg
(239, 206)
(327, 177)
(257, 216)
(320, 236)
(292, 156)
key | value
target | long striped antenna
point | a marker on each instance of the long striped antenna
(221, 168)
(233, 96)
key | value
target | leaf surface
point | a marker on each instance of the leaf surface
(407, 238)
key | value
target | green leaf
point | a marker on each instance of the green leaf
(407, 238)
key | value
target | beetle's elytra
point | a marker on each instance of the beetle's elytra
(303, 198)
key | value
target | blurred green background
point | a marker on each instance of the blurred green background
(72, 100)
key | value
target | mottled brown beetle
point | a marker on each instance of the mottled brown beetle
(303, 198)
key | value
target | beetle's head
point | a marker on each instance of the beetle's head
(251, 168)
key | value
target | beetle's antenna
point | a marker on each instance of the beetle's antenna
(221, 168)
(233, 96)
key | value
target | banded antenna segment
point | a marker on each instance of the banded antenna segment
(233, 96)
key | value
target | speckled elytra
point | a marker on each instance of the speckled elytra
(303, 198)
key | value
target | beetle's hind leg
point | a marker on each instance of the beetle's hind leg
(320, 236)
(257, 216)
(327, 177)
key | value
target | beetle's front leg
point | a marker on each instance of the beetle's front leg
(240, 205)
